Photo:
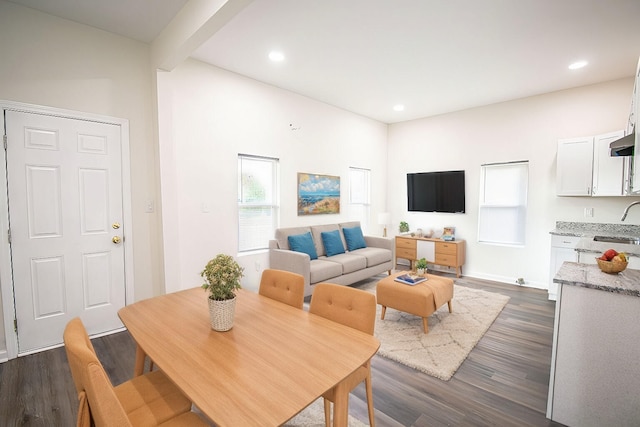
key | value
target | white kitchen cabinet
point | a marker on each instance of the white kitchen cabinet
(574, 167)
(585, 167)
(562, 249)
(610, 174)
(595, 374)
(631, 125)
(426, 249)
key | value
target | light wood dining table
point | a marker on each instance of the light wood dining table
(273, 363)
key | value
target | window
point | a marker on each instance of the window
(257, 201)
(359, 200)
(503, 203)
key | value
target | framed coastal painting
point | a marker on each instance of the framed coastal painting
(318, 194)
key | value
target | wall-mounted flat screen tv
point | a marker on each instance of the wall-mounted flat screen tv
(436, 191)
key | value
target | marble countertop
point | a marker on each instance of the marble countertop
(626, 282)
(588, 230)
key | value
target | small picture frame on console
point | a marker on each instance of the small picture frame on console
(449, 233)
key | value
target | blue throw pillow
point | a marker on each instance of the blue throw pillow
(303, 243)
(354, 238)
(332, 242)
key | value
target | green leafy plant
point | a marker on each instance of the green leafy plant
(421, 263)
(404, 227)
(222, 277)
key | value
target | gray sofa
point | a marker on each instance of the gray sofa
(344, 269)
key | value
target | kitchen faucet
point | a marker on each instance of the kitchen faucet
(626, 210)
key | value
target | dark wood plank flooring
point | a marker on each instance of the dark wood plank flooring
(503, 382)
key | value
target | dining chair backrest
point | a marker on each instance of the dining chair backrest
(283, 286)
(346, 305)
(91, 379)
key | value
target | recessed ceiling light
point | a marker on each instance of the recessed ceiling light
(398, 107)
(577, 65)
(276, 56)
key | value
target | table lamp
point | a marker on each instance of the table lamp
(384, 219)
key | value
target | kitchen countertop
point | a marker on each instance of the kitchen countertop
(626, 282)
(588, 230)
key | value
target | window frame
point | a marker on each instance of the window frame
(274, 206)
(519, 207)
(363, 207)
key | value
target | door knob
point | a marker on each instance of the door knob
(116, 239)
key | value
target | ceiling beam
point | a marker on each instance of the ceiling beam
(196, 23)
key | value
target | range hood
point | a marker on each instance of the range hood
(623, 146)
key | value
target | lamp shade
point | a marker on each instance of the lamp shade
(384, 218)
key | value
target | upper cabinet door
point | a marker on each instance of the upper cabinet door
(631, 127)
(608, 172)
(574, 167)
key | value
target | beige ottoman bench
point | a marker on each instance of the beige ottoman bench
(421, 299)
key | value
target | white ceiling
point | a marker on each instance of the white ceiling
(433, 56)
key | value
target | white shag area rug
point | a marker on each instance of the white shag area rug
(451, 336)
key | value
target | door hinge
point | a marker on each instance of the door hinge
(9, 235)
(15, 325)
(4, 141)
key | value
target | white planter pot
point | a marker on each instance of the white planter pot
(221, 314)
(420, 271)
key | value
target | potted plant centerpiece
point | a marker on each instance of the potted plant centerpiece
(404, 227)
(222, 277)
(421, 266)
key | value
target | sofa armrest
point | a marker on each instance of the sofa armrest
(295, 262)
(380, 242)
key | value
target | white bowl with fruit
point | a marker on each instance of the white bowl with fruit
(612, 262)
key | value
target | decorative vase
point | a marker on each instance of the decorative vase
(420, 271)
(221, 314)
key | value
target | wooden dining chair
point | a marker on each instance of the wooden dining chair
(146, 400)
(351, 307)
(283, 286)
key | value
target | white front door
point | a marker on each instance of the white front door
(64, 180)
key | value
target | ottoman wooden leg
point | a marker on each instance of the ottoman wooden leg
(425, 325)
(449, 304)
(382, 313)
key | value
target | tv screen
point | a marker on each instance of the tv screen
(436, 191)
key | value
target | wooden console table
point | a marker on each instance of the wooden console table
(435, 251)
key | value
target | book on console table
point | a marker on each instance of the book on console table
(410, 279)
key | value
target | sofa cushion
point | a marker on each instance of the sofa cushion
(321, 270)
(332, 242)
(374, 256)
(354, 238)
(316, 232)
(282, 235)
(303, 243)
(350, 262)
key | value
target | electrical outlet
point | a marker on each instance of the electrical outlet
(588, 212)
(149, 206)
(258, 266)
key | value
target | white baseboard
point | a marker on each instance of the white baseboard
(4, 356)
(507, 280)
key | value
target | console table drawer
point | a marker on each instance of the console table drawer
(446, 259)
(446, 248)
(405, 243)
(405, 253)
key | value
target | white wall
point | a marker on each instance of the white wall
(49, 61)
(525, 129)
(217, 114)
